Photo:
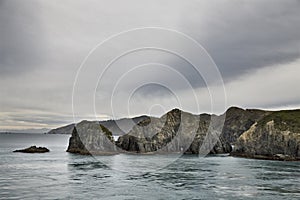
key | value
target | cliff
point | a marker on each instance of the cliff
(238, 120)
(176, 131)
(164, 135)
(192, 134)
(253, 133)
(276, 137)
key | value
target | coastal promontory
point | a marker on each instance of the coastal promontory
(248, 133)
(274, 137)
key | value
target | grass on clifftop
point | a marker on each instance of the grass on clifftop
(284, 120)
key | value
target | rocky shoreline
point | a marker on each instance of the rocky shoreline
(254, 134)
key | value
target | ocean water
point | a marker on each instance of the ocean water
(60, 175)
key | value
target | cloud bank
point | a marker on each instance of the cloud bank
(254, 43)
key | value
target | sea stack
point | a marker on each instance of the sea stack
(91, 138)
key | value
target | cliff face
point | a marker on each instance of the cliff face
(176, 131)
(91, 138)
(196, 133)
(276, 136)
(154, 134)
(254, 133)
(238, 120)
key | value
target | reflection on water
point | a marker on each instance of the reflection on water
(59, 175)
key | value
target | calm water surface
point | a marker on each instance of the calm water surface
(60, 175)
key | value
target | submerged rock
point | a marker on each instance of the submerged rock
(33, 149)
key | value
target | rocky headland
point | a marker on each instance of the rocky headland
(253, 134)
(274, 137)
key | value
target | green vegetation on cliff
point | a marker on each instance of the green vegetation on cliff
(107, 132)
(284, 120)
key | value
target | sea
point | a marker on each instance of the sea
(61, 175)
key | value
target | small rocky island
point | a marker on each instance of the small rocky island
(33, 149)
(248, 133)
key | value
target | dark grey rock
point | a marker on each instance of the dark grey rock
(91, 138)
(238, 120)
(254, 133)
(174, 132)
(275, 137)
(33, 149)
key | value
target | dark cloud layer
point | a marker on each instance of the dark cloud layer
(255, 44)
(245, 35)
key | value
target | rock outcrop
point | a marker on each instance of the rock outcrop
(276, 137)
(33, 149)
(253, 133)
(214, 134)
(238, 120)
(164, 135)
(176, 131)
(91, 138)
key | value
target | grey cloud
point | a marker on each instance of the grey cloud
(242, 36)
(22, 37)
(44, 42)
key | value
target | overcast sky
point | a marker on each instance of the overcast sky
(254, 45)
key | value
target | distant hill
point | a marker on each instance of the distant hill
(34, 130)
(62, 130)
(117, 127)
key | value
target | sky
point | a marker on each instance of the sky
(64, 61)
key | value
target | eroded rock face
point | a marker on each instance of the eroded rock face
(176, 131)
(179, 131)
(208, 138)
(162, 135)
(196, 134)
(33, 149)
(91, 138)
(276, 136)
(238, 120)
(255, 134)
